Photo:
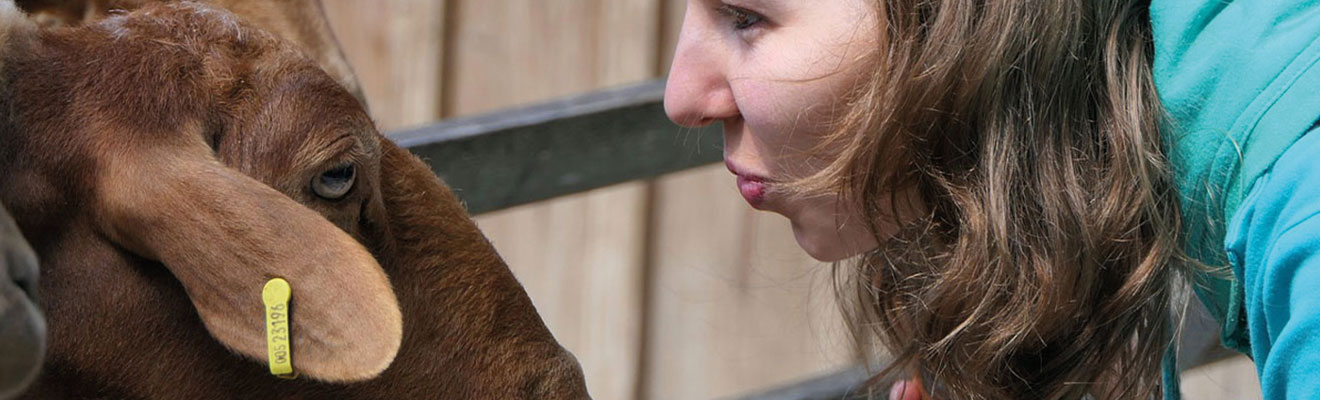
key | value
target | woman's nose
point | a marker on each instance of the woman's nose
(698, 91)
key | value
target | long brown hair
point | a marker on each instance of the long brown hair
(1030, 132)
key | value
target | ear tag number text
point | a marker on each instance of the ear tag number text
(276, 296)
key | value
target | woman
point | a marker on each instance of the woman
(1019, 196)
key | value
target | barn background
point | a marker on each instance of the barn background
(670, 288)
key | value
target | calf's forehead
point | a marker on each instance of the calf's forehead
(297, 117)
(278, 109)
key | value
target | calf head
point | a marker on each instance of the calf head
(110, 142)
(302, 22)
(184, 137)
(22, 330)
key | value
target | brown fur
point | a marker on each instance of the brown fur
(302, 22)
(177, 109)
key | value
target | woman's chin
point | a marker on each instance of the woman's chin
(829, 245)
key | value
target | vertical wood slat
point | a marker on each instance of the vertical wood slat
(396, 48)
(512, 52)
(672, 15)
(579, 257)
(738, 307)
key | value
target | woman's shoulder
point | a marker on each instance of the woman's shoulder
(1273, 243)
(1284, 200)
(1241, 84)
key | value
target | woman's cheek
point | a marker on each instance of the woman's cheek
(774, 105)
(756, 103)
(803, 107)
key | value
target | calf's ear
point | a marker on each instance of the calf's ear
(223, 235)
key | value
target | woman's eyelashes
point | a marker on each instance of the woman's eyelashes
(741, 19)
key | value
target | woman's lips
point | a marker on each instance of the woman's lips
(752, 189)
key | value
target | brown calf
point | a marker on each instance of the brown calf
(166, 163)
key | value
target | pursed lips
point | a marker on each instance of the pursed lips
(752, 187)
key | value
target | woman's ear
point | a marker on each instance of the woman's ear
(223, 235)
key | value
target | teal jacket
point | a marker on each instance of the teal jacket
(1241, 83)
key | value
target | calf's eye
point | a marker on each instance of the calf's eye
(334, 183)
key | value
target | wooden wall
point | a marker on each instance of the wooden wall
(665, 289)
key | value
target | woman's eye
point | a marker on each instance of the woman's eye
(334, 184)
(741, 18)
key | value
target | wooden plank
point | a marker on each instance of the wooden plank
(671, 17)
(396, 49)
(578, 257)
(513, 52)
(737, 306)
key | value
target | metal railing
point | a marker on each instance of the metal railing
(579, 143)
(572, 145)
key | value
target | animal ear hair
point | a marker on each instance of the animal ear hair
(408, 185)
(223, 235)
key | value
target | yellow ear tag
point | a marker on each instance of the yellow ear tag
(276, 295)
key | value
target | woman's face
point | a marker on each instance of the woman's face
(775, 72)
